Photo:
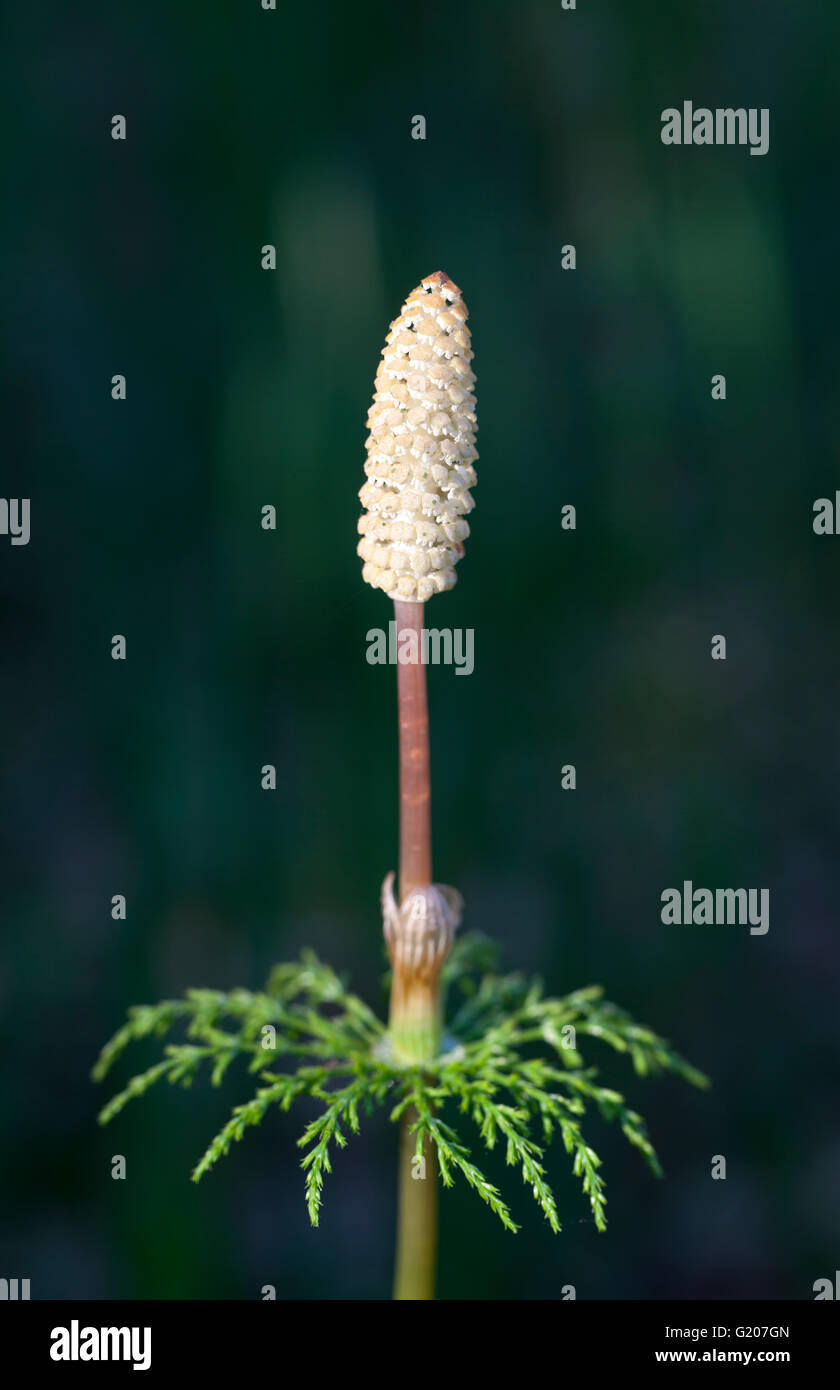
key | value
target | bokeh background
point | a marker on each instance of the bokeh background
(245, 647)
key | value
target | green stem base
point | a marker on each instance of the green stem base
(414, 1277)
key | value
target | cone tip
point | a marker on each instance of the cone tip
(439, 280)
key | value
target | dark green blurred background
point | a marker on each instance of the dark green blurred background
(247, 647)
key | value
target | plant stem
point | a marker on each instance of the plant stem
(417, 1221)
(415, 1006)
(415, 780)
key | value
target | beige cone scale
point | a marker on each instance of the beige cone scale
(421, 448)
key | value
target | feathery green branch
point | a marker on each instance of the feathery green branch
(493, 1070)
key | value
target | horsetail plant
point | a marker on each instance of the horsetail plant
(506, 1057)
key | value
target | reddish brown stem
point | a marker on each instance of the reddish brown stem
(415, 782)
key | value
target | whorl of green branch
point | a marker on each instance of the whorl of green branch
(499, 1067)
